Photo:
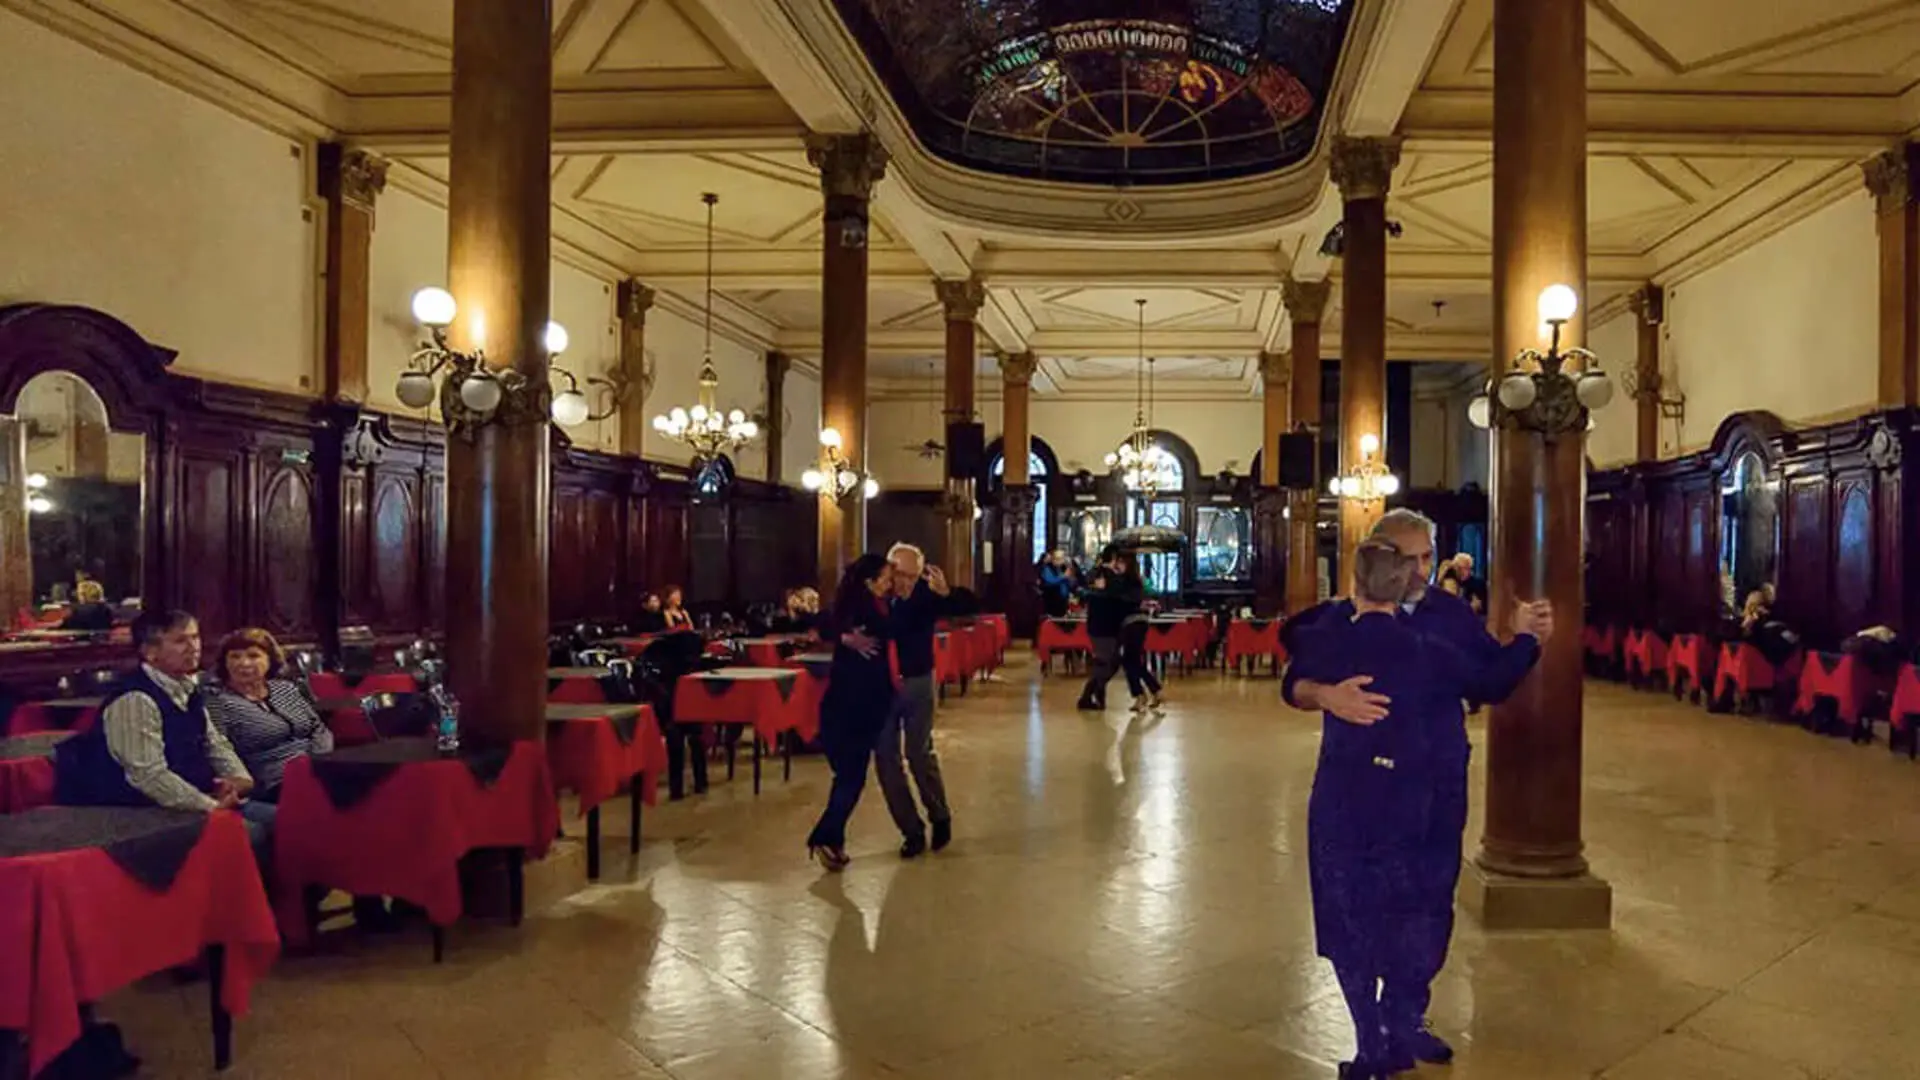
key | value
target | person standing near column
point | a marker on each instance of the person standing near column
(919, 599)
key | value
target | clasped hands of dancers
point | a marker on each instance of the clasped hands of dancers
(1390, 669)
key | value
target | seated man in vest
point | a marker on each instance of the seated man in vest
(154, 744)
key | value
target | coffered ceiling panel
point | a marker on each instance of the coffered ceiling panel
(1117, 309)
(887, 309)
(763, 200)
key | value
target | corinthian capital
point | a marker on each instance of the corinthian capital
(635, 301)
(1275, 369)
(1306, 300)
(1363, 168)
(355, 177)
(849, 164)
(1017, 368)
(961, 299)
(1891, 177)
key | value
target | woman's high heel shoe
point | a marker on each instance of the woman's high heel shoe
(833, 859)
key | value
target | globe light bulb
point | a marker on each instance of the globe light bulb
(1333, 487)
(749, 430)
(1558, 303)
(1388, 485)
(830, 438)
(1593, 390)
(481, 392)
(736, 417)
(1369, 444)
(39, 504)
(36, 481)
(871, 488)
(434, 306)
(570, 408)
(679, 417)
(812, 480)
(556, 339)
(415, 389)
(1480, 412)
(698, 413)
(662, 425)
(847, 478)
(1517, 392)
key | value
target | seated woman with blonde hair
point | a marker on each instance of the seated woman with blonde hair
(264, 715)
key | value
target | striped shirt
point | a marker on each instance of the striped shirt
(136, 737)
(270, 732)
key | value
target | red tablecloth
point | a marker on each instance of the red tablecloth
(1740, 667)
(407, 836)
(635, 645)
(1174, 639)
(350, 726)
(588, 758)
(575, 690)
(1061, 636)
(1002, 633)
(1840, 676)
(767, 698)
(1252, 638)
(1906, 698)
(25, 783)
(37, 717)
(1686, 663)
(1601, 642)
(75, 927)
(1644, 654)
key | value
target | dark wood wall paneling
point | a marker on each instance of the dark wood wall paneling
(1845, 506)
(272, 510)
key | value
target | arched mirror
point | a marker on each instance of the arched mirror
(1749, 528)
(71, 512)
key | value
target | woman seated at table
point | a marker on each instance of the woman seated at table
(651, 620)
(799, 614)
(676, 613)
(91, 611)
(265, 716)
(860, 695)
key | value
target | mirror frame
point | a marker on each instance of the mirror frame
(1757, 434)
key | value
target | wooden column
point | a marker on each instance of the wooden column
(1306, 306)
(351, 182)
(1894, 179)
(1530, 870)
(1013, 571)
(635, 301)
(849, 167)
(1363, 170)
(1269, 502)
(775, 429)
(1649, 304)
(497, 269)
(962, 301)
(16, 553)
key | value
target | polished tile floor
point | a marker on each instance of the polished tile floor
(1131, 901)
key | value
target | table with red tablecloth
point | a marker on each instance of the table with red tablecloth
(350, 725)
(1248, 639)
(1687, 665)
(1741, 668)
(1002, 634)
(593, 750)
(1601, 643)
(60, 714)
(1644, 653)
(764, 699)
(1061, 636)
(577, 685)
(1176, 637)
(94, 898)
(1903, 718)
(633, 645)
(394, 818)
(26, 770)
(1842, 678)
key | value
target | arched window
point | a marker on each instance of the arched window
(1166, 462)
(1036, 475)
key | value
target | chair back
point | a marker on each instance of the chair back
(397, 715)
(620, 681)
(593, 658)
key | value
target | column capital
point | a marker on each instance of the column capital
(1893, 176)
(1649, 304)
(1276, 370)
(635, 300)
(961, 300)
(1363, 168)
(849, 164)
(1018, 368)
(355, 177)
(1306, 301)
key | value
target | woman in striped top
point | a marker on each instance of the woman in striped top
(266, 718)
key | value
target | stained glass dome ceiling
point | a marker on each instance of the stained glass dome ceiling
(1149, 92)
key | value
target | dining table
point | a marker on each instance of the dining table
(763, 700)
(71, 714)
(595, 748)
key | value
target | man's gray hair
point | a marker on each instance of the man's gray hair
(897, 550)
(1382, 574)
(1402, 520)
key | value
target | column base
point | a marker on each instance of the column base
(1503, 902)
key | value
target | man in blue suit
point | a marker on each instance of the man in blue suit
(1498, 670)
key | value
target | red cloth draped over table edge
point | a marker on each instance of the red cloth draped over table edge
(1742, 667)
(588, 758)
(1053, 638)
(1849, 682)
(760, 653)
(33, 718)
(1906, 697)
(1645, 653)
(1245, 640)
(406, 838)
(75, 927)
(25, 783)
(350, 727)
(577, 690)
(755, 701)
(1687, 655)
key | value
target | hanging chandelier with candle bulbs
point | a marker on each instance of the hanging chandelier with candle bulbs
(704, 427)
(1144, 465)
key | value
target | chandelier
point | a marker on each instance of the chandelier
(473, 392)
(704, 428)
(1143, 464)
(1539, 393)
(1368, 481)
(834, 476)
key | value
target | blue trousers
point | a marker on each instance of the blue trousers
(1436, 876)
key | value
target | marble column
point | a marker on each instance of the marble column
(1530, 872)
(961, 301)
(1269, 502)
(774, 431)
(497, 269)
(850, 165)
(635, 300)
(351, 182)
(1649, 303)
(1894, 179)
(1013, 570)
(1363, 171)
(1306, 306)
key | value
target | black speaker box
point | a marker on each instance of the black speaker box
(966, 451)
(1296, 461)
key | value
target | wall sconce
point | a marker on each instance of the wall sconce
(834, 476)
(1537, 394)
(480, 394)
(1653, 388)
(1369, 481)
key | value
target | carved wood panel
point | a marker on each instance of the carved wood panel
(207, 575)
(394, 539)
(285, 572)
(1806, 569)
(1852, 607)
(710, 579)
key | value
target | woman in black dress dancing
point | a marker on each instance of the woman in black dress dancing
(859, 695)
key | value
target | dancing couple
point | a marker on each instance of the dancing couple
(882, 622)
(1390, 669)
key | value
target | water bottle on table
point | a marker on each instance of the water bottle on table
(447, 728)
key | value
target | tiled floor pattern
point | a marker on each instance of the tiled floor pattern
(1130, 900)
